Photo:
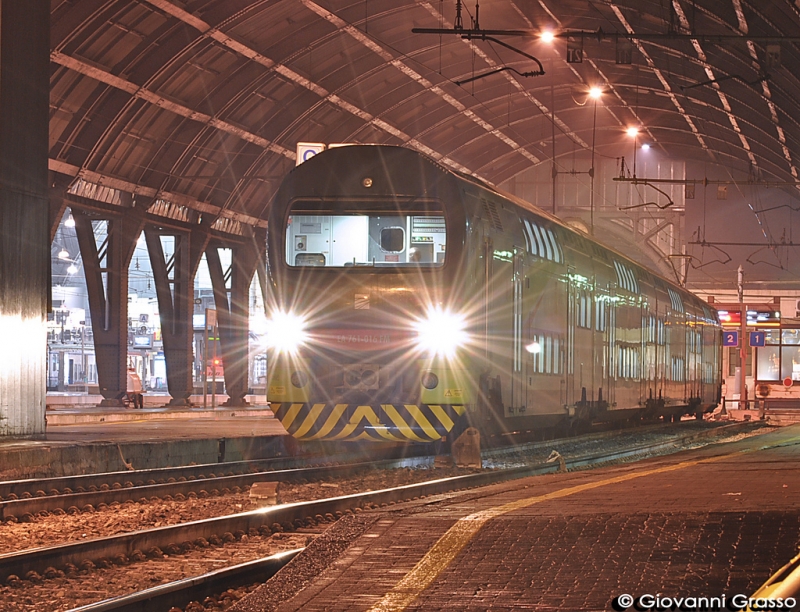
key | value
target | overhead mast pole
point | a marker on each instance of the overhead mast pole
(743, 346)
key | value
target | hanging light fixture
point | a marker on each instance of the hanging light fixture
(72, 269)
(70, 221)
(63, 253)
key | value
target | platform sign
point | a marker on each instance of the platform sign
(757, 338)
(307, 150)
(730, 338)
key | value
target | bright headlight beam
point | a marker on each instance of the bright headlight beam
(441, 332)
(533, 347)
(285, 332)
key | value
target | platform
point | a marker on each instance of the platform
(82, 438)
(713, 522)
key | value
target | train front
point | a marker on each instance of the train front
(367, 329)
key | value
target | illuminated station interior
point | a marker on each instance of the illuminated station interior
(144, 145)
(675, 150)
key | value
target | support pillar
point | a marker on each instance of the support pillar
(24, 223)
(233, 312)
(106, 269)
(175, 291)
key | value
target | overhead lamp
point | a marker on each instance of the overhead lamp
(70, 221)
(633, 132)
(72, 269)
(547, 36)
(63, 253)
(645, 147)
(595, 92)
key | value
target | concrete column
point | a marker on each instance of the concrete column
(233, 314)
(24, 211)
(174, 281)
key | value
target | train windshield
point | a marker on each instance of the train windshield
(344, 234)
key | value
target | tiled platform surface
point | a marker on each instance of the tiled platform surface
(712, 522)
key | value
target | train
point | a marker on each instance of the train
(408, 301)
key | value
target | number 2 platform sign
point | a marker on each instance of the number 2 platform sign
(730, 338)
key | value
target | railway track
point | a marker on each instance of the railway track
(207, 483)
(23, 500)
(122, 548)
(12, 490)
(181, 592)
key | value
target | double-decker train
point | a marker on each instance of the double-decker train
(409, 301)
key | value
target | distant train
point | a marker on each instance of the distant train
(409, 301)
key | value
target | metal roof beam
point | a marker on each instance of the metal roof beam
(389, 58)
(242, 49)
(743, 27)
(701, 55)
(142, 93)
(659, 75)
(151, 192)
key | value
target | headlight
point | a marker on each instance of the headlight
(533, 347)
(286, 332)
(441, 332)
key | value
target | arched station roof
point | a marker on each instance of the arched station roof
(198, 105)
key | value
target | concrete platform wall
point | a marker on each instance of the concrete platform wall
(43, 459)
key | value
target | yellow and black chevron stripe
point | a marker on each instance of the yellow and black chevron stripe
(382, 423)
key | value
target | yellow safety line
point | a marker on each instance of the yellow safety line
(309, 421)
(443, 417)
(456, 538)
(333, 418)
(291, 415)
(422, 421)
(355, 419)
(364, 412)
(402, 426)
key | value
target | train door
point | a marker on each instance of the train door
(569, 398)
(645, 372)
(599, 344)
(662, 353)
(488, 247)
(611, 348)
(499, 305)
(518, 394)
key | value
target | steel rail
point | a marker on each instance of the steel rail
(180, 592)
(288, 516)
(19, 508)
(160, 475)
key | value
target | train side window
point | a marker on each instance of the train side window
(584, 310)
(600, 314)
(541, 252)
(678, 366)
(675, 300)
(542, 242)
(556, 355)
(558, 255)
(548, 353)
(392, 239)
